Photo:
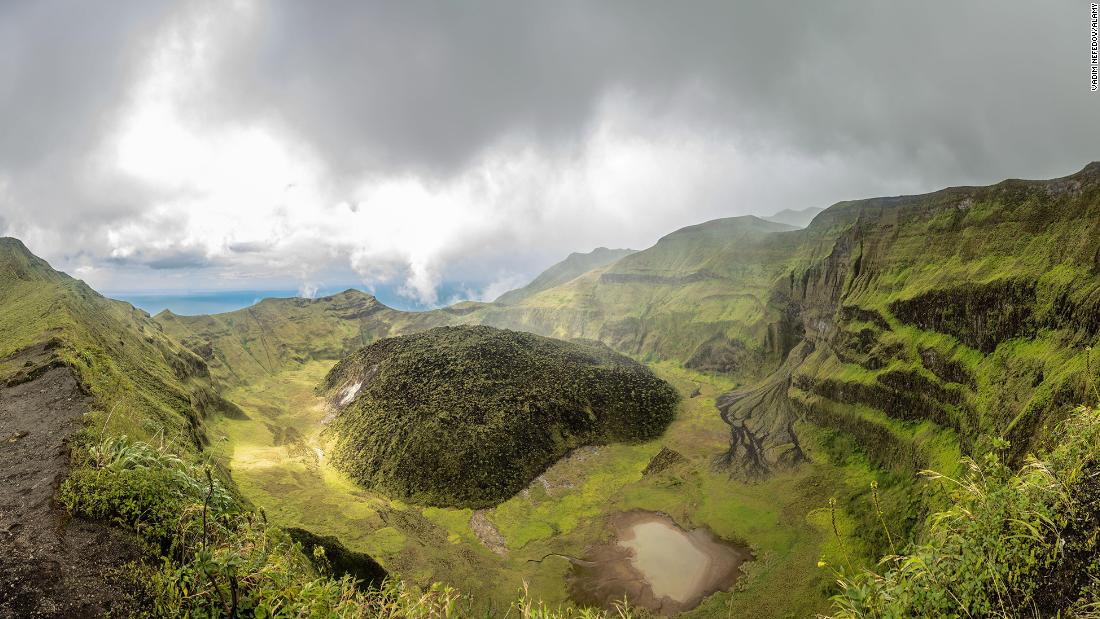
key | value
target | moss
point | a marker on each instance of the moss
(337, 560)
(981, 316)
(468, 416)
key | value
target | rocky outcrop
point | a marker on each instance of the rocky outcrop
(663, 461)
(761, 420)
(979, 315)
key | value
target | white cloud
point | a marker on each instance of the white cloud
(267, 144)
(231, 186)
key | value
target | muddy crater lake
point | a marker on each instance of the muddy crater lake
(655, 564)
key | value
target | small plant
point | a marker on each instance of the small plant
(217, 559)
(881, 517)
(1013, 543)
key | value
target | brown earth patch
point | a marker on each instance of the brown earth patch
(611, 570)
(51, 565)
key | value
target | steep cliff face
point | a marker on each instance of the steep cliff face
(916, 324)
(934, 321)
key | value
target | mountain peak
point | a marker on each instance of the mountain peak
(18, 263)
(12, 244)
(574, 265)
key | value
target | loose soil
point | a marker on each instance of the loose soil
(50, 565)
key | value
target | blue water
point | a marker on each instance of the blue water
(195, 303)
(215, 302)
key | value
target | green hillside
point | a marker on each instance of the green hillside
(144, 383)
(274, 334)
(698, 296)
(573, 266)
(909, 330)
(890, 336)
(916, 323)
(468, 416)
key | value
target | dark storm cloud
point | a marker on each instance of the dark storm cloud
(980, 89)
(66, 69)
(164, 259)
(247, 248)
(804, 103)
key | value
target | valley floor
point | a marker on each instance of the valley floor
(277, 459)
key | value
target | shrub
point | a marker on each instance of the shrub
(1014, 543)
(213, 558)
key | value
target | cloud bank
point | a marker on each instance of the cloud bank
(260, 144)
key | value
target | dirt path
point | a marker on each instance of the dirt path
(50, 565)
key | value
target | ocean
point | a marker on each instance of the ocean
(192, 303)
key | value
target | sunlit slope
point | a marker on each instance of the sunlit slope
(698, 296)
(274, 334)
(575, 265)
(145, 384)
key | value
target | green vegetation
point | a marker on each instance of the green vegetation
(562, 512)
(569, 269)
(700, 292)
(249, 344)
(222, 560)
(1013, 543)
(468, 416)
(928, 329)
(145, 384)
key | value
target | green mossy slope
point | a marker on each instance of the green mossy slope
(699, 296)
(248, 344)
(145, 384)
(569, 269)
(468, 416)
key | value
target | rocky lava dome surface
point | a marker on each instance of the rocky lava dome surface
(469, 415)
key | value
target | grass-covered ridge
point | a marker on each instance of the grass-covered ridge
(468, 416)
(572, 267)
(142, 463)
(145, 384)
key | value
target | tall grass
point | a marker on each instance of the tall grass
(1014, 543)
(209, 556)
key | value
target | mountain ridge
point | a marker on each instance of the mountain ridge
(903, 331)
(797, 218)
(573, 266)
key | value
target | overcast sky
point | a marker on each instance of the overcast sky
(209, 145)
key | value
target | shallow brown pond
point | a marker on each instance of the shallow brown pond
(655, 564)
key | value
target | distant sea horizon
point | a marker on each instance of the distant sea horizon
(197, 302)
(193, 303)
